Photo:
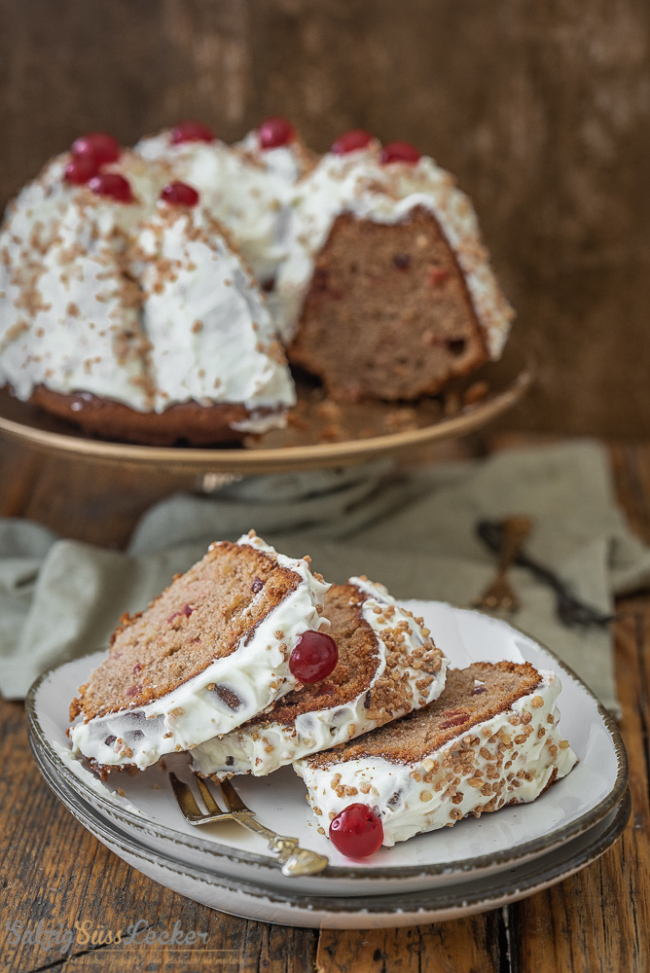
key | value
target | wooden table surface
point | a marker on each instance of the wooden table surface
(54, 873)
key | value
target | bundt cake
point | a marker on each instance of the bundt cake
(489, 740)
(211, 652)
(127, 306)
(387, 666)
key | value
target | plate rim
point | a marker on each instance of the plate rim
(317, 455)
(339, 872)
(507, 886)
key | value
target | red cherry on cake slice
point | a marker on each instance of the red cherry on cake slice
(274, 132)
(351, 141)
(179, 194)
(191, 131)
(357, 831)
(314, 657)
(81, 169)
(98, 145)
(399, 152)
(112, 185)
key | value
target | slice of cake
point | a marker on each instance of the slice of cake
(491, 739)
(384, 256)
(211, 652)
(387, 666)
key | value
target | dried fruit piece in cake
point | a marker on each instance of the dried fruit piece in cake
(387, 666)
(491, 739)
(208, 654)
(384, 256)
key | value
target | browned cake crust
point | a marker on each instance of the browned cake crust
(388, 314)
(189, 422)
(200, 617)
(461, 706)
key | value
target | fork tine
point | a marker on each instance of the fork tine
(185, 798)
(231, 797)
(295, 860)
(208, 799)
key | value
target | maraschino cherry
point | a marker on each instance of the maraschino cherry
(274, 132)
(351, 141)
(179, 194)
(191, 131)
(99, 146)
(399, 152)
(357, 831)
(80, 169)
(314, 657)
(113, 185)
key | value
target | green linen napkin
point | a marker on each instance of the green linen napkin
(414, 532)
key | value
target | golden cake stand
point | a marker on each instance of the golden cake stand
(320, 433)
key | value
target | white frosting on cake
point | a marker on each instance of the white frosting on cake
(77, 765)
(85, 331)
(208, 311)
(265, 747)
(257, 672)
(357, 183)
(142, 303)
(511, 763)
(287, 162)
(248, 189)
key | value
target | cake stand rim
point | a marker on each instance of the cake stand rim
(197, 460)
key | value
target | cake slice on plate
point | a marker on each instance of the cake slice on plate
(491, 739)
(209, 653)
(388, 666)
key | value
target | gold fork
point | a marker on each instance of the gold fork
(499, 594)
(295, 860)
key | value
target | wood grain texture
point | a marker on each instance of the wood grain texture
(52, 870)
(56, 874)
(107, 500)
(540, 109)
(478, 944)
(615, 891)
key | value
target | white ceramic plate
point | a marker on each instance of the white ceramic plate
(296, 908)
(473, 848)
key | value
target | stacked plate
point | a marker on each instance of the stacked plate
(474, 866)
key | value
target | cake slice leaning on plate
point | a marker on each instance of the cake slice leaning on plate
(209, 653)
(388, 666)
(491, 739)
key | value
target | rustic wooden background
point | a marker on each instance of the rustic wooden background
(542, 109)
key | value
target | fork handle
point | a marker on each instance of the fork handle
(515, 532)
(569, 608)
(296, 860)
